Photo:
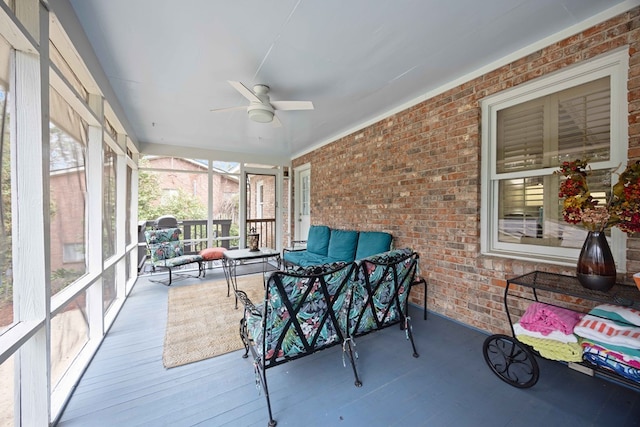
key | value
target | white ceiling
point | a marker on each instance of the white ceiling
(356, 60)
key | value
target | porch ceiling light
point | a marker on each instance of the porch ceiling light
(260, 113)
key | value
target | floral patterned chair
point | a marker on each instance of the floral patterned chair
(304, 311)
(167, 251)
(380, 293)
(307, 309)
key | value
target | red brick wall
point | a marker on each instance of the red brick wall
(416, 174)
(67, 217)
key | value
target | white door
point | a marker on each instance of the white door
(303, 202)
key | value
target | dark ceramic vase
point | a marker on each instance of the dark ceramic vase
(596, 267)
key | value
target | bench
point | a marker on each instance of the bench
(167, 251)
(308, 309)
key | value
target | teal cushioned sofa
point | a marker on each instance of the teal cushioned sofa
(328, 245)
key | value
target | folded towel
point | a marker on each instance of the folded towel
(627, 351)
(608, 331)
(554, 335)
(622, 357)
(552, 349)
(605, 360)
(545, 319)
(617, 313)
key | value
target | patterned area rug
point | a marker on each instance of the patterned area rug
(202, 321)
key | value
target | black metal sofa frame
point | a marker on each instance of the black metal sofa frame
(344, 300)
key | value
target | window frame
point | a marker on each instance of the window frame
(614, 65)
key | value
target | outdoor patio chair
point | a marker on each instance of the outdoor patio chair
(167, 251)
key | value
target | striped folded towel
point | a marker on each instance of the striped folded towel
(608, 331)
(617, 313)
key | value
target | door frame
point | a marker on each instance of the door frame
(297, 194)
(277, 173)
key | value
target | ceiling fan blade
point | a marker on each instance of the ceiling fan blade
(276, 122)
(244, 91)
(220, 110)
(292, 105)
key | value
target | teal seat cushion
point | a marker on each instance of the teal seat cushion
(318, 239)
(295, 257)
(305, 258)
(342, 245)
(372, 243)
(314, 259)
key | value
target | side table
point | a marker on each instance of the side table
(233, 258)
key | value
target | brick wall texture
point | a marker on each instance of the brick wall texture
(416, 174)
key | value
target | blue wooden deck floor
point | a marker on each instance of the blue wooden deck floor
(448, 385)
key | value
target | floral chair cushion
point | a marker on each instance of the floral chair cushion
(302, 313)
(162, 236)
(164, 244)
(165, 251)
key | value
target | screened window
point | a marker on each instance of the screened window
(69, 334)
(109, 201)
(6, 270)
(528, 133)
(73, 252)
(67, 186)
(179, 187)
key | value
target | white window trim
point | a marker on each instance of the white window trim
(259, 199)
(616, 66)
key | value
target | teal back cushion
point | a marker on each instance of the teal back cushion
(342, 245)
(318, 239)
(372, 243)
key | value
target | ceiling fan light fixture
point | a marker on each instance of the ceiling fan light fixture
(260, 115)
(261, 109)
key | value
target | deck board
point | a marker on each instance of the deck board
(448, 385)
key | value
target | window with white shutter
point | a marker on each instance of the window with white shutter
(528, 131)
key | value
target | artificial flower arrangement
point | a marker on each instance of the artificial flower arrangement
(622, 209)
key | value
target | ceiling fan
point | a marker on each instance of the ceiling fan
(260, 108)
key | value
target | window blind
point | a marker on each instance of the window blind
(584, 121)
(541, 133)
(566, 125)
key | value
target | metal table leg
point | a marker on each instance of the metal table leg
(229, 267)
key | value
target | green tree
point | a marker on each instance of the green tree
(148, 195)
(183, 206)
(6, 277)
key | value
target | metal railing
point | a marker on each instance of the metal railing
(194, 233)
(266, 228)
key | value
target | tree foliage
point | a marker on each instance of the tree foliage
(152, 203)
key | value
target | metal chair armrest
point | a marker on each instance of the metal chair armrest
(246, 302)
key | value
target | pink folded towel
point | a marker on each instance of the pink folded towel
(545, 319)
